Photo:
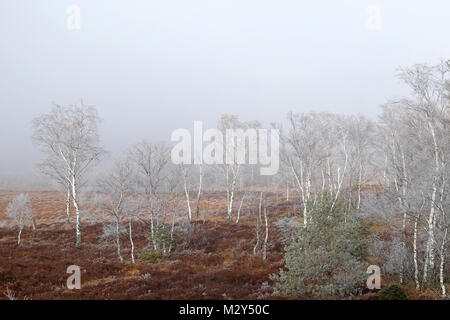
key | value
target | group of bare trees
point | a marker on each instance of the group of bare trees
(114, 195)
(328, 154)
(394, 168)
(414, 141)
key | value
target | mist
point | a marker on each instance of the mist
(151, 67)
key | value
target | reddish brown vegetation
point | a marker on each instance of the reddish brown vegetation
(215, 262)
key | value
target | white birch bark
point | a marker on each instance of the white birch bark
(118, 239)
(267, 235)
(258, 222)
(131, 240)
(68, 205)
(77, 213)
(19, 234)
(416, 267)
(442, 263)
(429, 253)
(240, 207)
(186, 192)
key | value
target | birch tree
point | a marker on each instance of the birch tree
(153, 172)
(361, 140)
(315, 151)
(152, 164)
(68, 137)
(19, 211)
(429, 104)
(414, 135)
(116, 197)
(233, 169)
(185, 174)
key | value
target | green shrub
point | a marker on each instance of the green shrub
(151, 256)
(327, 258)
(161, 239)
(392, 292)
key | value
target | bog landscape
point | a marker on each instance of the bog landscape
(224, 150)
(356, 205)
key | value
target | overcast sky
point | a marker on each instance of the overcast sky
(153, 66)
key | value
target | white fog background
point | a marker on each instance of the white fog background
(154, 66)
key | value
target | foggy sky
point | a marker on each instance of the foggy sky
(153, 66)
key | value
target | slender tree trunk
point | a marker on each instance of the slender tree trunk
(240, 206)
(267, 235)
(404, 205)
(416, 267)
(186, 191)
(18, 235)
(152, 230)
(403, 243)
(430, 241)
(358, 204)
(258, 221)
(230, 207)
(257, 236)
(131, 241)
(441, 267)
(227, 178)
(303, 187)
(429, 254)
(68, 206)
(118, 240)
(301, 192)
(231, 195)
(188, 203)
(77, 213)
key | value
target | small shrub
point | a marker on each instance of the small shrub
(151, 257)
(327, 258)
(161, 239)
(392, 292)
